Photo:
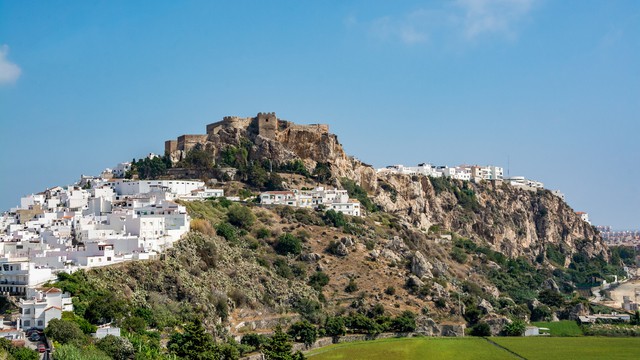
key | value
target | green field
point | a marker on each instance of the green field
(413, 348)
(561, 328)
(583, 348)
(563, 348)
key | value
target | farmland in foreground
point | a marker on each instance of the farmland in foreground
(584, 348)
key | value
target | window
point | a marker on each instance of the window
(40, 323)
(27, 311)
(26, 323)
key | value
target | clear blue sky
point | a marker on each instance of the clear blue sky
(554, 86)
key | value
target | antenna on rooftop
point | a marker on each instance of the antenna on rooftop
(508, 166)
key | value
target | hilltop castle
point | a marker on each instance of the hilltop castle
(265, 125)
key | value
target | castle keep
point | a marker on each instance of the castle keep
(266, 125)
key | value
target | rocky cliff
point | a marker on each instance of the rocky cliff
(513, 221)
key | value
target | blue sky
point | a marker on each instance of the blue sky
(552, 87)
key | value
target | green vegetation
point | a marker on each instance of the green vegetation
(149, 168)
(197, 158)
(465, 195)
(288, 244)
(561, 328)
(240, 216)
(11, 352)
(413, 348)
(322, 172)
(295, 167)
(357, 192)
(550, 348)
(475, 348)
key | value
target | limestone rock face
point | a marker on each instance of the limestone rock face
(485, 306)
(420, 267)
(514, 221)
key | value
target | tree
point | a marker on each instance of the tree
(551, 298)
(322, 172)
(334, 218)
(288, 244)
(335, 326)
(119, 348)
(105, 308)
(481, 329)
(65, 332)
(516, 328)
(240, 216)
(193, 343)
(405, 322)
(279, 347)
(303, 331)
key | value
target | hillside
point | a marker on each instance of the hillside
(429, 252)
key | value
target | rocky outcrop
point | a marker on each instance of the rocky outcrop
(420, 267)
(428, 327)
(511, 220)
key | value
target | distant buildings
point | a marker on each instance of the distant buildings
(473, 173)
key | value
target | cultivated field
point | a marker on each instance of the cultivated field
(583, 348)
(413, 348)
(561, 328)
(547, 348)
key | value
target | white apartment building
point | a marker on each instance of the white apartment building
(352, 207)
(278, 198)
(41, 305)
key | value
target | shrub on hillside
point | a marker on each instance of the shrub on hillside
(288, 244)
(334, 218)
(65, 332)
(318, 280)
(227, 231)
(119, 348)
(240, 216)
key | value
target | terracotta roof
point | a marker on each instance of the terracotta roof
(52, 307)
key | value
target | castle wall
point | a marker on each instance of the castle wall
(322, 128)
(187, 142)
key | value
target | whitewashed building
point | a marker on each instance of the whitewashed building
(41, 305)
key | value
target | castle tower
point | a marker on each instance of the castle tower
(267, 125)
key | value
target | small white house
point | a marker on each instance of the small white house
(41, 306)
